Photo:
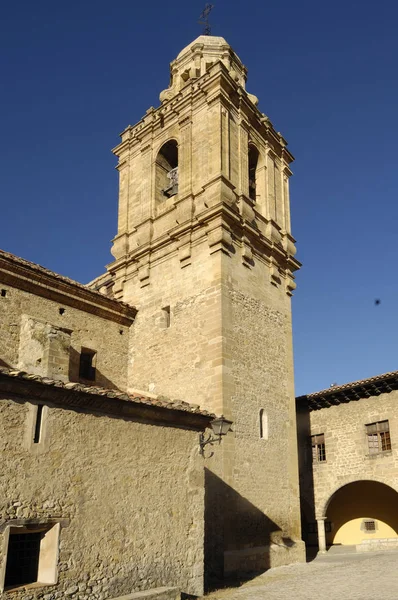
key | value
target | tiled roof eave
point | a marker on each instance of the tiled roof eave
(76, 396)
(32, 278)
(356, 390)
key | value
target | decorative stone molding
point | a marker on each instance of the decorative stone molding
(219, 239)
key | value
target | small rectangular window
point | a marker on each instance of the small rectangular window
(369, 526)
(378, 435)
(22, 558)
(318, 448)
(166, 316)
(38, 424)
(31, 555)
(328, 526)
(87, 364)
(312, 527)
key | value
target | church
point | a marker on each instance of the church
(148, 419)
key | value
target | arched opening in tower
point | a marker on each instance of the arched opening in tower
(166, 176)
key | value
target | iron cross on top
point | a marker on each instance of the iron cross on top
(204, 19)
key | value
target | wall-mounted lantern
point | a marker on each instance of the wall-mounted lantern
(220, 427)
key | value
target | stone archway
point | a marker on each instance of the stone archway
(362, 513)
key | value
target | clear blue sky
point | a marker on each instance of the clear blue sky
(74, 74)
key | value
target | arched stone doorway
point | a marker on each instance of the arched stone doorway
(362, 513)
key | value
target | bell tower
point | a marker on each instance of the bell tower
(204, 251)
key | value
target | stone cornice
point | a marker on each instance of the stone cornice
(34, 279)
(230, 218)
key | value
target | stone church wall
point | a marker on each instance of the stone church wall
(128, 497)
(46, 337)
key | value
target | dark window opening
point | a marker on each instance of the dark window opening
(253, 161)
(22, 558)
(328, 526)
(369, 526)
(263, 424)
(38, 424)
(166, 314)
(312, 527)
(61, 311)
(167, 170)
(379, 439)
(318, 448)
(86, 367)
(3, 293)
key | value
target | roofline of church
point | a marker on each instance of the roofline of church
(355, 390)
(17, 384)
(35, 279)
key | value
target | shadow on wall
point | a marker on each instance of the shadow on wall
(4, 364)
(237, 536)
(306, 479)
(100, 379)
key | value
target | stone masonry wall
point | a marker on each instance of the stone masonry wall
(129, 497)
(179, 360)
(228, 347)
(258, 354)
(34, 336)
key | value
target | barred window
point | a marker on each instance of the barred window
(31, 556)
(378, 435)
(318, 447)
(369, 526)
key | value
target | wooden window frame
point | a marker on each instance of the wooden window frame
(318, 448)
(378, 437)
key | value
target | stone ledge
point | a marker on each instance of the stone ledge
(163, 593)
(377, 544)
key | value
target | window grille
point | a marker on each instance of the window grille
(32, 555)
(378, 435)
(318, 448)
(369, 526)
(22, 558)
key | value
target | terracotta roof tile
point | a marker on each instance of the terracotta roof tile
(160, 402)
(61, 278)
(354, 390)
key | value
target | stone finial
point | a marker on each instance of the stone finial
(197, 58)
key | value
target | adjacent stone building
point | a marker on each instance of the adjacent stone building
(348, 452)
(104, 491)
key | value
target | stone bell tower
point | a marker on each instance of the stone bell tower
(204, 251)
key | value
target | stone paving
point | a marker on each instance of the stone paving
(343, 577)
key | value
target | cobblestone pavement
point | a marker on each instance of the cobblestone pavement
(344, 577)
